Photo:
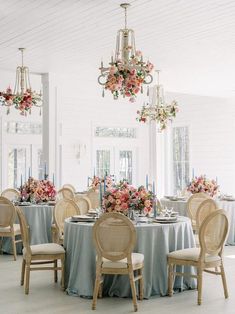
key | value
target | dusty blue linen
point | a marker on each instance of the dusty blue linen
(39, 218)
(155, 241)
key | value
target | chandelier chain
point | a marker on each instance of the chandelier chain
(125, 18)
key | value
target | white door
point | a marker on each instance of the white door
(118, 161)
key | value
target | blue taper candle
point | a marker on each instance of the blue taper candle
(153, 188)
(104, 184)
(147, 181)
(100, 195)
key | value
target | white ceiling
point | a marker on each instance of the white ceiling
(192, 42)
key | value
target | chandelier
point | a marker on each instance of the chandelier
(23, 98)
(127, 72)
(158, 111)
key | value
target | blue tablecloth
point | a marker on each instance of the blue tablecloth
(155, 241)
(39, 218)
(229, 207)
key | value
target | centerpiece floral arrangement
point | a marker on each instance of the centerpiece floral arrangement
(23, 102)
(125, 80)
(38, 190)
(96, 181)
(202, 184)
(124, 197)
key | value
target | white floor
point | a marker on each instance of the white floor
(46, 297)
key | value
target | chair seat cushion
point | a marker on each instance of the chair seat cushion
(7, 229)
(137, 258)
(192, 255)
(46, 249)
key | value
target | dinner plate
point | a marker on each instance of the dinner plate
(25, 204)
(165, 220)
(82, 218)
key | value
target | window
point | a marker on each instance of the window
(125, 165)
(16, 166)
(180, 138)
(115, 132)
(102, 162)
(16, 127)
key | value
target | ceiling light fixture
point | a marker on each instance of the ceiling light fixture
(159, 111)
(127, 72)
(23, 98)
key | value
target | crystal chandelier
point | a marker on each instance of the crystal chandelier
(127, 72)
(23, 98)
(158, 111)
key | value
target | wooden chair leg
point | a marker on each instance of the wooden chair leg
(27, 276)
(133, 290)
(96, 290)
(55, 271)
(141, 285)
(199, 285)
(22, 272)
(100, 290)
(1, 245)
(170, 279)
(62, 273)
(14, 247)
(224, 281)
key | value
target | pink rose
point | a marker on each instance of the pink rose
(113, 70)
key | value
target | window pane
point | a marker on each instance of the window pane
(125, 165)
(102, 162)
(14, 127)
(115, 132)
(180, 158)
(16, 166)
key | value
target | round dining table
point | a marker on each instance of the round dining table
(154, 240)
(228, 206)
(39, 219)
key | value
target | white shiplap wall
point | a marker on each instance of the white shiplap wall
(211, 124)
(80, 109)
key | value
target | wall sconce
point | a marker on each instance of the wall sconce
(80, 151)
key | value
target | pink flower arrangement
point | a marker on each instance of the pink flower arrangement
(23, 102)
(38, 190)
(125, 79)
(124, 196)
(96, 181)
(202, 184)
